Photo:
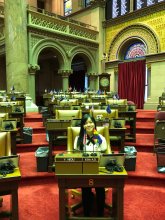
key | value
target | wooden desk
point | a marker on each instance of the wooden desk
(9, 186)
(115, 181)
(20, 122)
(54, 133)
(130, 117)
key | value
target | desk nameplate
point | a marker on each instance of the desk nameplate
(52, 124)
(70, 163)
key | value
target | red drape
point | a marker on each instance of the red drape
(131, 82)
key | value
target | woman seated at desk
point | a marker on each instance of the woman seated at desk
(90, 141)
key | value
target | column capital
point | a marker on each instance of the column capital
(93, 74)
(32, 68)
(65, 73)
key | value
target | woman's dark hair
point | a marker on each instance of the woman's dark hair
(81, 135)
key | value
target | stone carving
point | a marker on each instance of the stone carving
(1, 9)
(33, 68)
(65, 73)
(34, 40)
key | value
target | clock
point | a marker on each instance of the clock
(104, 82)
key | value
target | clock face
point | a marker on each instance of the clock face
(104, 81)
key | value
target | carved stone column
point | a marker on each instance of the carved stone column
(16, 45)
(32, 71)
(58, 7)
(93, 81)
(65, 78)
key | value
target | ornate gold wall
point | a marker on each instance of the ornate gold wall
(155, 22)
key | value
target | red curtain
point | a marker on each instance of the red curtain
(131, 82)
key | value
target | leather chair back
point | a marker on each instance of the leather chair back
(68, 114)
(68, 102)
(116, 101)
(102, 112)
(5, 144)
(3, 116)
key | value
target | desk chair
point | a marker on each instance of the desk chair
(116, 101)
(3, 116)
(159, 134)
(66, 115)
(5, 148)
(72, 132)
(160, 116)
(68, 102)
(102, 112)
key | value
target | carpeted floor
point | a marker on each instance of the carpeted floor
(144, 193)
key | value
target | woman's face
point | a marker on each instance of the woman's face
(89, 126)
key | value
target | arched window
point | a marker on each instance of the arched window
(87, 3)
(135, 50)
(67, 7)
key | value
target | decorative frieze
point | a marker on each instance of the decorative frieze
(62, 26)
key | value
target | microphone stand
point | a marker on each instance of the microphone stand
(94, 154)
(85, 154)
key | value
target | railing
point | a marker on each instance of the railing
(48, 21)
(43, 11)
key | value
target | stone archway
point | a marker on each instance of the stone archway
(36, 53)
(136, 32)
(48, 43)
(88, 66)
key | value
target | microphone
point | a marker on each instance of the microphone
(85, 154)
(94, 154)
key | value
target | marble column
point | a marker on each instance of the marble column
(48, 5)
(65, 78)
(32, 89)
(16, 45)
(58, 7)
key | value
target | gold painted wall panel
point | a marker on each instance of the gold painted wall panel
(154, 21)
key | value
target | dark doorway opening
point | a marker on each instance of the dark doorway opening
(77, 79)
(47, 77)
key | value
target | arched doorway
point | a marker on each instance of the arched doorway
(47, 77)
(77, 79)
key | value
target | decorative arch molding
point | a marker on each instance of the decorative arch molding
(137, 31)
(86, 54)
(49, 43)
